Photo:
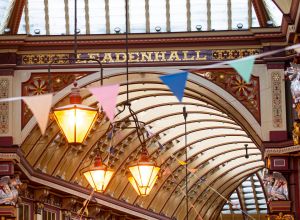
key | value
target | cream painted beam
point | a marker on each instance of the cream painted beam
(284, 5)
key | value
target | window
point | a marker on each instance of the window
(49, 214)
(137, 16)
(81, 22)
(178, 15)
(36, 12)
(157, 11)
(198, 15)
(219, 14)
(97, 16)
(240, 13)
(4, 10)
(24, 212)
(117, 15)
(57, 21)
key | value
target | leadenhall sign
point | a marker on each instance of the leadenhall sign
(144, 56)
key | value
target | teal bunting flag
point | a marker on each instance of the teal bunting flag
(244, 67)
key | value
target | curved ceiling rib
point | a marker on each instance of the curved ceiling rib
(216, 139)
(216, 180)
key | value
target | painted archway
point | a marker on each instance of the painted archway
(217, 132)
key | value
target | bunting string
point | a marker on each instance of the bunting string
(219, 194)
(107, 95)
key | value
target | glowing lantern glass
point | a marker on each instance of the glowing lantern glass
(75, 120)
(98, 175)
(144, 175)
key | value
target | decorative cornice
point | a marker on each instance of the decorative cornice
(9, 156)
(80, 191)
(167, 40)
(285, 150)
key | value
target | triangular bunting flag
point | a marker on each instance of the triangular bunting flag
(181, 162)
(161, 147)
(107, 97)
(176, 83)
(244, 67)
(40, 106)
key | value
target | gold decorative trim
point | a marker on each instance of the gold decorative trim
(276, 100)
(284, 150)
(4, 106)
(143, 56)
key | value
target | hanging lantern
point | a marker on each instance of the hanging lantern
(75, 120)
(144, 174)
(98, 175)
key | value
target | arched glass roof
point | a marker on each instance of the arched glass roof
(56, 17)
(249, 197)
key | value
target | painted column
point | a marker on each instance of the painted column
(274, 106)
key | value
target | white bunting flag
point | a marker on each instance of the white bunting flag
(40, 106)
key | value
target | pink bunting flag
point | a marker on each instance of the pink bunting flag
(107, 97)
(40, 107)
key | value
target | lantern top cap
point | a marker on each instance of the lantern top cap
(97, 165)
(78, 106)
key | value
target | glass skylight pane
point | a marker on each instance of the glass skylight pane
(57, 19)
(22, 25)
(97, 16)
(252, 211)
(4, 11)
(157, 13)
(249, 195)
(137, 16)
(198, 14)
(117, 15)
(36, 13)
(81, 25)
(255, 22)
(239, 13)
(226, 206)
(274, 12)
(246, 183)
(250, 201)
(219, 14)
(178, 17)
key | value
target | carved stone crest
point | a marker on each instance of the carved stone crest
(9, 190)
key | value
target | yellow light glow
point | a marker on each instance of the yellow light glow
(99, 178)
(143, 177)
(75, 121)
